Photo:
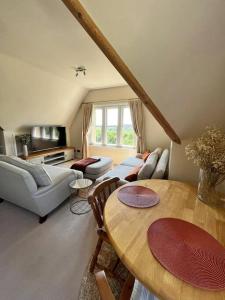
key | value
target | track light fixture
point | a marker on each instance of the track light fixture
(80, 69)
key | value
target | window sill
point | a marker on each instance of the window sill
(112, 146)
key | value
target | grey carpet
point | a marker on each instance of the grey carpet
(44, 262)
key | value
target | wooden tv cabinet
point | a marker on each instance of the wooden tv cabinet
(51, 157)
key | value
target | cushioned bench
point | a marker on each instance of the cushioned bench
(99, 168)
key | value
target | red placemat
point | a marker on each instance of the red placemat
(138, 196)
(188, 252)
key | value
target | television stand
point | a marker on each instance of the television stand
(51, 157)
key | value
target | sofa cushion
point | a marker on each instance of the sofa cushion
(161, 166)
(148, 167)
(39, 174)
(99, 167)
(57, 174)
(120, 171)
(132, 162)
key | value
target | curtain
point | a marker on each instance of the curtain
(87, 114)
(138, 123)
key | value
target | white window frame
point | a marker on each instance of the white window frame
(104, 108)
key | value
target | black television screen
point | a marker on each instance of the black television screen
(47, 137)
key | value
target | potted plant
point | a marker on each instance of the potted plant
(25, 140)
(208, 153)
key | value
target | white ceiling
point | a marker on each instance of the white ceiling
(45, 34)
(176, 49)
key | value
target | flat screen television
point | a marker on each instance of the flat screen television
(47, 137)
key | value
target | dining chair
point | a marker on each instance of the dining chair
(106, 292)
(97, 199)
(131, 289)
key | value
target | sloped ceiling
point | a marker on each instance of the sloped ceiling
(44, 33)
(40, 44)
(176, 50)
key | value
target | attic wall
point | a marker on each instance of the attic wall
(30, 96)
(154, 134)
(175, 49)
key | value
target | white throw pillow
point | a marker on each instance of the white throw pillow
(148, 167)
(158, 150)
(161, 166)
(37, 171)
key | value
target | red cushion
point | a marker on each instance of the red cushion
(132, 176)
(145, 155)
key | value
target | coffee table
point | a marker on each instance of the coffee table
(80, 207)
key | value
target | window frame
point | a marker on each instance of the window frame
(104, 107)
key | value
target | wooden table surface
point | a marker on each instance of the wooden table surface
(127, 230)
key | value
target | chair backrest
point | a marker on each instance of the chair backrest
(99, 195)
(106, 292)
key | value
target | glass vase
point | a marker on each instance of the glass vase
(207, 187)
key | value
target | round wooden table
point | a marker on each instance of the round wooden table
(127, 230)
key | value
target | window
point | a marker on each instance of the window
(128, 136)
(112, 126)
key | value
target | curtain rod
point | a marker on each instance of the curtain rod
(108, 101)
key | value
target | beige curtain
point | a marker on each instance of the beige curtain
(87, 114)
(138, 123)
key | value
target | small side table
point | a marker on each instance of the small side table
(80, 207)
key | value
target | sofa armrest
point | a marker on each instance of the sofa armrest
(15, 179)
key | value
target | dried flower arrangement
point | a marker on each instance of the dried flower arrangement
(208, 152)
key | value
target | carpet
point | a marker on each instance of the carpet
(44, 262)
(107, 258)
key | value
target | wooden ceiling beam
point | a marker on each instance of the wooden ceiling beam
(97, 36)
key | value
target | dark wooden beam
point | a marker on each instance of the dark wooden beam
(97, 36)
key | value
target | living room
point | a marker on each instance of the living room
(87, 106)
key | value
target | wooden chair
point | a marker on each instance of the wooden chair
(97, 199)
(105, 290)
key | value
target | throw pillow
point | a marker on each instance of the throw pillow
(37, 171)
(158, 150)
(148, 167)
(162, 165)
(132, 176)
(145, 155)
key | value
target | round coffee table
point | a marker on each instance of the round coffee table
(80, 207)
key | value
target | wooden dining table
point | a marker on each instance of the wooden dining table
(127, 230)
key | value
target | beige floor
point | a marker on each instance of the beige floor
(43, 262)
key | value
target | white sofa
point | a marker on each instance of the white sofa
(19, 187)
(155, 167)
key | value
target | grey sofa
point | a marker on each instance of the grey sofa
(156, 165)
(18, 186)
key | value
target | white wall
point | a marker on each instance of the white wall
(154, 134)
(175, 49)
(31, 96)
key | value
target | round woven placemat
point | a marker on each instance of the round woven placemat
(138, 196)
(188, 252)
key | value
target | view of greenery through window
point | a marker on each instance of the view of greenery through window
(112, 125)
(118, 126)
(128, 135)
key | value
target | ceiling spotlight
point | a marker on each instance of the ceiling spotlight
(80, 69)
